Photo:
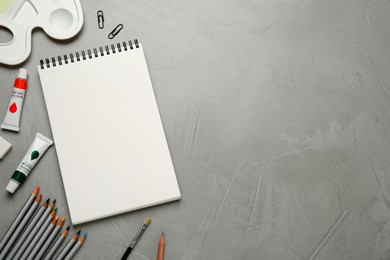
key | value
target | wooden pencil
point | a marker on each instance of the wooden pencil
(28, 231)
(42, 239)
(68, 246)
(41, 229)
(21, 226)
(56, 244)
(76, 248)
(18, 218)
(161, 247)
(50, 239)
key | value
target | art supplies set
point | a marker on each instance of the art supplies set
(36, 233)
(103, 77)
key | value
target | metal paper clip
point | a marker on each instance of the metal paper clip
(100, 18)
(115, 31)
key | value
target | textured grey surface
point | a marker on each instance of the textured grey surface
(277, 117)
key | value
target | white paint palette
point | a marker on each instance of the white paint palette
(60, 19)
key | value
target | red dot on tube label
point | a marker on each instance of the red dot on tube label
(13, 108)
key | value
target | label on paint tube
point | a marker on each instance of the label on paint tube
(34, 153)
(12, 117)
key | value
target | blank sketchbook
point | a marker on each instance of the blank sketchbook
(107, 131)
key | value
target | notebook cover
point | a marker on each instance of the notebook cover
(108, 134)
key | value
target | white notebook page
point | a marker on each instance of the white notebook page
(108, 134)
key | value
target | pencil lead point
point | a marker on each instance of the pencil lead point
(40, 196)
(48, 200)
(55, 209)
(85, 235)
(54, 221)
(35, 192)
(67, 228)
(54, 201)
(78, 233)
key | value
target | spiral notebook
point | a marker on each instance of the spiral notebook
(107, 131)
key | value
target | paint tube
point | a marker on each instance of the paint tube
(34, 153)
(12, 117)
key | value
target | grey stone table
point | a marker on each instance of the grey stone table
(277, 117)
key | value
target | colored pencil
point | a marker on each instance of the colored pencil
(57, 244)
(21, 226)
(50, 239)
(43, 238)
(136, 238)
(18, 218)
(38, 235)
(34, 232)
(27, 231)
(68, 246)
(161, 245)
(76, 248)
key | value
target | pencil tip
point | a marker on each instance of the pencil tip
(54, 201)
(40, 196)
(48, 200)
(85, 235)
(55, 209)
(78, 233)
(35, 192)
(67, 228)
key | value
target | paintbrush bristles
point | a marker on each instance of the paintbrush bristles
(147, 221)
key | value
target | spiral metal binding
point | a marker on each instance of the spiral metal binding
(88, 54)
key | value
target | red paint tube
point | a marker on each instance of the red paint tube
(14, 110)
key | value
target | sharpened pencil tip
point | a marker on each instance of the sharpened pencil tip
(48, 200)
(54, 221)
(85, 235)
(78, 233)
(54, 201)
(67, 228)
(61, 222)
(35, 192)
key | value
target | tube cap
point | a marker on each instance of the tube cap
(12, 186)
(22, 74)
